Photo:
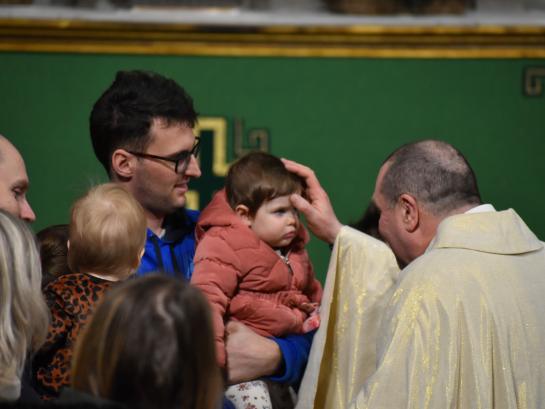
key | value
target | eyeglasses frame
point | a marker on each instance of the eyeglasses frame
(185, 161)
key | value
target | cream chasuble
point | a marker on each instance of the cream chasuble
(464, 326)
(359, 281)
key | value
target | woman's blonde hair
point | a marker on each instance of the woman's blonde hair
(150, 344)
(24, 316)
(107, 231)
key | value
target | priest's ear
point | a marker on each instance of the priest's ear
(244, 213)
(408, 212)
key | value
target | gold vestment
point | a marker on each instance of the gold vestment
(463, 325)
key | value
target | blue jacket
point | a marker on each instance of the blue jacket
(173, 254)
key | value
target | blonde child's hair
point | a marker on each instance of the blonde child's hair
(107, 232)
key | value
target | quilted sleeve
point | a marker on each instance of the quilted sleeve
(216, 274)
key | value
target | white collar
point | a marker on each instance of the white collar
(487, 207)
(477, 209)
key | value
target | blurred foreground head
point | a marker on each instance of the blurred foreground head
(23, 312)
(150, 344)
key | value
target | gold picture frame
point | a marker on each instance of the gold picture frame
(352, 41)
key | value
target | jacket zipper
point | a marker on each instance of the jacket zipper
(286, 261)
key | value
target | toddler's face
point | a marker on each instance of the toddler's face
(276, 222)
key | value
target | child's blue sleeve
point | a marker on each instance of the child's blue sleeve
(295, 350)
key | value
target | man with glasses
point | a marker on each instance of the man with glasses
(142, 133)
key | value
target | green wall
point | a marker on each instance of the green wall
(340, 116)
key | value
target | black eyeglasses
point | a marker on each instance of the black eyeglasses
(181, 161)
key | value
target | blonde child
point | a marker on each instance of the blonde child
(251, 260)
(106, 239)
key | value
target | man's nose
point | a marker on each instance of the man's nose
(193, 170)
(26, 213)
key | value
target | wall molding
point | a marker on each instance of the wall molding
(79, 36)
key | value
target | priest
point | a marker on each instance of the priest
(459, 326)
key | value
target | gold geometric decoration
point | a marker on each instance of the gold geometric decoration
(258, 139)
(218, 125)
(533, 78)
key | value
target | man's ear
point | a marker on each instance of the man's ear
(409, 212)
(244, 213)
(123, 163)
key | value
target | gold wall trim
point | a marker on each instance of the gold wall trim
(76, 36)
(218, 125)
(192, 199)
(532, 81)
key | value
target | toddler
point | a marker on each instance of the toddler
(251, 260)
(107, 232)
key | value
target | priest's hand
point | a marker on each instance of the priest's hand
(317, 208)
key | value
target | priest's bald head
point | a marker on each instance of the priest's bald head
(419, 185)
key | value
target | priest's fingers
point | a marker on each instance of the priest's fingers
(313, 185)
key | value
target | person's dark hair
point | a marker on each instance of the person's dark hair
(435, 173)
(258, 177)
(52, 241)
(368, 223)
(124, 114)
(150, 344)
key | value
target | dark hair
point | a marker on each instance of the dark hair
(368, 223)
(434, 172)
(258, 177)
(150, 344)
(52, 241)
(123, 115)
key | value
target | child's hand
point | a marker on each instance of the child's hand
(312, 322)
(308, 307)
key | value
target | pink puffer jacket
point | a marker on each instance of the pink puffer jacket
(246, 280)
